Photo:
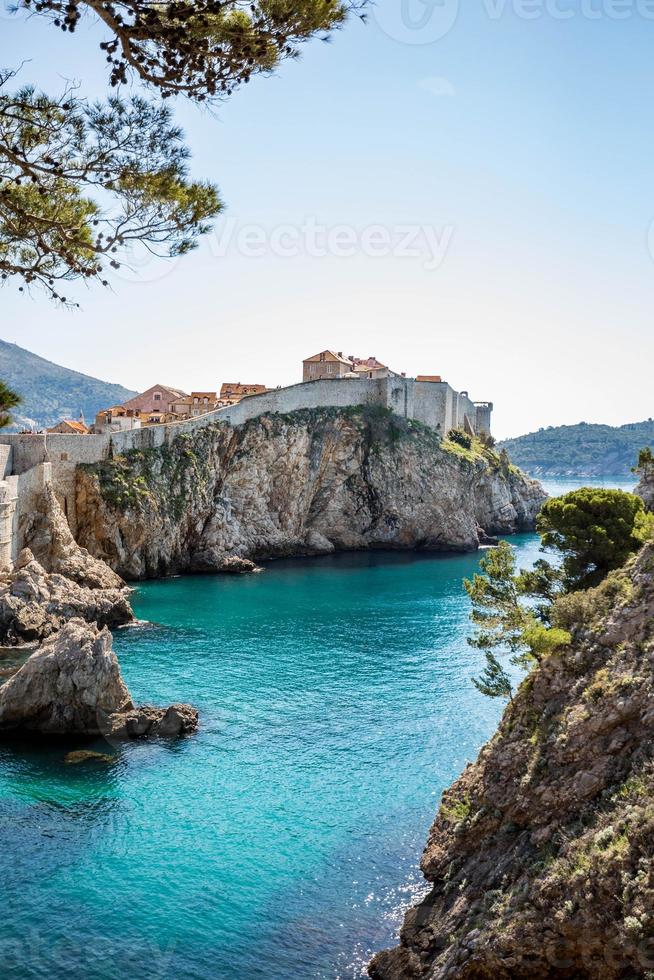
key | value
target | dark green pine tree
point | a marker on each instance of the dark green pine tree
(8, 400)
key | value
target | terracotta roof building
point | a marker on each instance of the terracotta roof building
(69, 427)
(326, 364)
(231, 393)
(155, 399)
(332, 364)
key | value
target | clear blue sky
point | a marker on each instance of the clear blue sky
(523, 146)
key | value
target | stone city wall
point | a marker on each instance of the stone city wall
(435, 404)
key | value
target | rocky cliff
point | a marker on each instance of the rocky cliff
(541, 858)
(306, 483)
(34, 604)
(645, 488)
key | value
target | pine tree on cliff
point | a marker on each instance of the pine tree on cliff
(591, 531)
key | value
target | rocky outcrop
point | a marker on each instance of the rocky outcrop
(65, 684)
(35, 604)
(178, 719)
(307, 483)
(72, 685)
(645, 488)
(46, 533)
(541, 858)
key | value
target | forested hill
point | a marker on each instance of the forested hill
(581, 450)
(51, 392)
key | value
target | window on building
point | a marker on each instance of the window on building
(157, 396)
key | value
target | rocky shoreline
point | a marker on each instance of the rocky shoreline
(59, 674)
(541, 857)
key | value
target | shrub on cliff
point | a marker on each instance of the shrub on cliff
(460, 438)
(594, 530)
(507, 621)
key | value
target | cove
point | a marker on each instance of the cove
(282, 841)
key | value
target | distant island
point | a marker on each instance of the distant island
(51, 392)
(580, 450)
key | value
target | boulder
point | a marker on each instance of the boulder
(72, 685)
(85, 755)
(178, 719)
(212, 561)
(61, 688)
(34, 604)
(235, 565)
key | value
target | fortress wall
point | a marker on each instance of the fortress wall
(432, 404)
(483, 417)
(312, 394)
(8, 521)
(6, 454)
(19, 499)
(399, 396)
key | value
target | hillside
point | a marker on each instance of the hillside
(580, 450)
(51, 392)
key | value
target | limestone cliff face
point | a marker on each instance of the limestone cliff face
(34, 604)
(46, 533)
(542, 854)
(306, 483)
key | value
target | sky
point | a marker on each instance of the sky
(458, 190)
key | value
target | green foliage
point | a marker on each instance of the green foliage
(8, 400)
(203, 49)
(460, 438)
(504, 623)
(50, 392)
(494, 682)
(529, 614)
(592, 450)
(594, 530)
(645, 464)
(81, 184)
(456, 811)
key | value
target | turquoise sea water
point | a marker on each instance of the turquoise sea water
(280, 842)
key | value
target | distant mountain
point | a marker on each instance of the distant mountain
(51, 392)
(581, 450)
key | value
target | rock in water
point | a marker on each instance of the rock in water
(210, 561)
(85, 755)
(178, 719)
(63, 686)
(72, 686)
(35, 604)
